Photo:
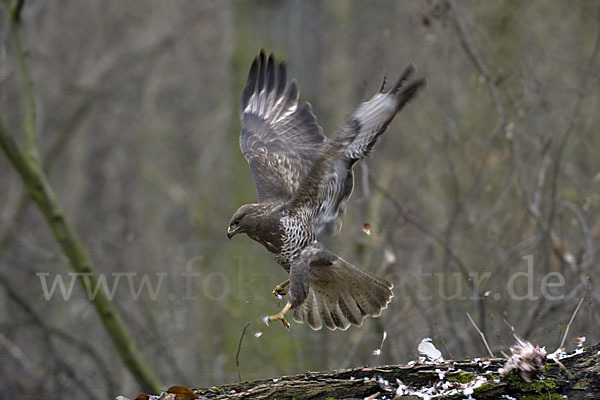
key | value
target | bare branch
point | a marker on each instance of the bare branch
(439, 335)
(537, 194)
(466, 42)
(412, 218)
(565, 137)
(46, 333)
(562, 342)
(585, 229)
(531, 207)
(237, 354)
(487, 346)
(21, 359)
(29, 106)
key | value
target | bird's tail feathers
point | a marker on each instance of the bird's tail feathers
(340, 295)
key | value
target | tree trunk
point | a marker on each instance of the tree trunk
(580, 379)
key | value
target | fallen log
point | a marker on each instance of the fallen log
(577, 378)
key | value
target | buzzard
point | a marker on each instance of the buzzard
(303, 181)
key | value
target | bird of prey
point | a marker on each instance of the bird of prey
(303, 180)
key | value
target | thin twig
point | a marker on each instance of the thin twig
(466, 42)
(482, 335)
(585, 230)
(439, 335)
(412, 218)
(570, 322)
(468, 45)
(22, 363)
(537, 194)
(512, 328)
(61, 365)
(237, 354)
(565, 137)
(379, 351)
(530, 206)
(559, 154)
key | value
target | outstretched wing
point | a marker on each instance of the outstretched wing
(329, 184)
(280, 137)
(326, 290)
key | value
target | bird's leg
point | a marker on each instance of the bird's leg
(279, 290)
(279, 316)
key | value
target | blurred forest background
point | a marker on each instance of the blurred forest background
(136, 116)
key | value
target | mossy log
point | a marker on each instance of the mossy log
(579, 379)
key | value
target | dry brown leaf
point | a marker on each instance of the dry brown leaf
(182, 393)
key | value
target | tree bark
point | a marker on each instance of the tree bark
(579, 379)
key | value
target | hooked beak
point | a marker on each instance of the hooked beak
(231, 232)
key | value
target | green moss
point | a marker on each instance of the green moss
(484, 388)
(536, 385)
(536, 389)
(461, 377)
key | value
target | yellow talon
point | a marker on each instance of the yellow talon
(279, 290)
(279, 316)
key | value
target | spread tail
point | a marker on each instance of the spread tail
(341, 294)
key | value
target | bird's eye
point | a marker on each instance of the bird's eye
(236, 222)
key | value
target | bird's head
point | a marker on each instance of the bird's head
(244, 220)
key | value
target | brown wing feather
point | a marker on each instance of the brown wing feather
(280, 137)
(330, 182)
